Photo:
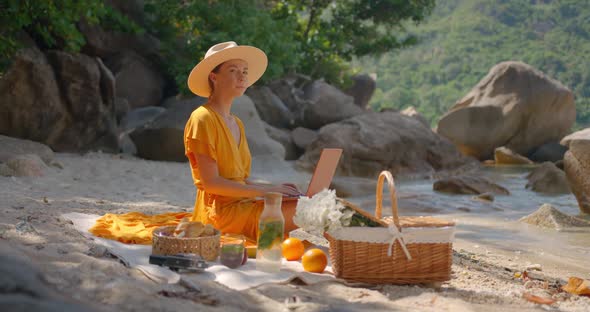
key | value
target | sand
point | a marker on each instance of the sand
(74, 269)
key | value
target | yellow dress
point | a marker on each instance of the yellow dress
(206, 133)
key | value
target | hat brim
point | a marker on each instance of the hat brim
(198, 80)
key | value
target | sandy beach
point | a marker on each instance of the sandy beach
(485, 278)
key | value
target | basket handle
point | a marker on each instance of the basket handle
(386, 175)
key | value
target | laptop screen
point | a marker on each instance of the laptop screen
(324, 171)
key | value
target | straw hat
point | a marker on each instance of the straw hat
(198, 80)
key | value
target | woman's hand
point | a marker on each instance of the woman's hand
(285, 189)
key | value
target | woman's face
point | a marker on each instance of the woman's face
(231, 78)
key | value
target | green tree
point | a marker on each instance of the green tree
(52, 24)
(332, 32)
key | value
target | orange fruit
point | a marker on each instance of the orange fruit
(292, 249)
(314, 260)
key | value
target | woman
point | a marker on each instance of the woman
(215, 143)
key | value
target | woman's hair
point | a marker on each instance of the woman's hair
(211, 86)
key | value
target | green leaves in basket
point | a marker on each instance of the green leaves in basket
(360, 220)
(268, 233)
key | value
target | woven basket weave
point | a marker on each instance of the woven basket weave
(163, 243)
(369, 262)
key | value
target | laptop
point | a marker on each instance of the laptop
(323, 173)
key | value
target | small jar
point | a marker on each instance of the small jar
(232, 250)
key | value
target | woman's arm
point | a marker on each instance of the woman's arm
(215, 184)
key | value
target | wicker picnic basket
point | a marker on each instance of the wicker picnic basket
(164, 243)
(405, 250)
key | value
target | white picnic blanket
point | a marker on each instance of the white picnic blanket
(137, 256)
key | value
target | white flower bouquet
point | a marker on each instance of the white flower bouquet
(323, 212)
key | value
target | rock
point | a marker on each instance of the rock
(515, 106)
(11, 147)
(552, 151)
(578, 135)
(412, 112)
(362, 89)
(469, 185)
(289, 90)
(549, 217)
(534, 267)
(577, 171)
(270, 107)
(106, 43)
(137, 80)
(162, 138)
(353, 187)
(140, 116)
(303, 137)
(24, 165)
(126, 144)
(488, 197)
(577, 286)
(505, 156)
(327, 104)
(67, 104)
(258, 141)
(88, 90)
(122, 108)
(548, 179)
(377, 141)
(560, 164)
(283, 136)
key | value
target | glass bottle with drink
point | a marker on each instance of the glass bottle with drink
(270, 234)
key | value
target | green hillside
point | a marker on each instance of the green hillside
(463, 39)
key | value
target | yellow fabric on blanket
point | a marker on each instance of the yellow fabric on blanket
(134, 227)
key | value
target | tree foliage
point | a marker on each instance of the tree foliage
(463, 39)
(53, 23)
(313, 37)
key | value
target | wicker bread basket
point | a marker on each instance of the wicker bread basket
(164, 243)
(406, 250)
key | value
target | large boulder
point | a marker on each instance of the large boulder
(468, 185)
(137, 80)
(552, 151)
(548, 179)
(376, 141)
(303, 137)
(26, 165)
(258, 140)
(327, 104)
(12, 147)
(578, 135)
(162, 138)
(412, 112)
(289, 89)
(283, 136)
(270, 107)
(362, 89)
(548, 216)
(65, 100)
(139, 117)
(515, 106)
(577, 170)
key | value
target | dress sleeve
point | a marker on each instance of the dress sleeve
(200, 138)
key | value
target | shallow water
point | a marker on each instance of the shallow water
(491, 227)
